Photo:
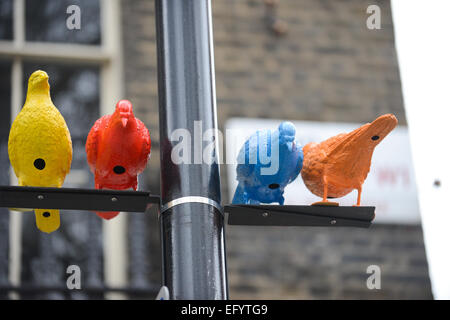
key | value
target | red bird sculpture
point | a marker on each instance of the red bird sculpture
(118, 147)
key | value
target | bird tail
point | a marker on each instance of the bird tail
(239, 195)
(21, 209)
(47, 220)
(107, 214)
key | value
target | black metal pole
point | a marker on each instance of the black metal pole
(192, 224)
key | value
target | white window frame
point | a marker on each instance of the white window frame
(108, 57)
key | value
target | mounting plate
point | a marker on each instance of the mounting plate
(290, 215)
(139, 201)
(76, 199)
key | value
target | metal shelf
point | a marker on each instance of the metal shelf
(289, 215)
(76, 199)
(139, 201)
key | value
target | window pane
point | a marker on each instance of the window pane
(46, 21)
(6, 19)
(45, 258)
(5, 103)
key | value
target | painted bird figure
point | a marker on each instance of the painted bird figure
(118, 147)
(340, 164)
(267, 162)
(39, 146)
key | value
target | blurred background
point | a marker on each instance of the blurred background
(298, 60)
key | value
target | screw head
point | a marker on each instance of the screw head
(265, 214)
(114, 199)
(40, 197)
(333, 221)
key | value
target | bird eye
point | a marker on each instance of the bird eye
(119, 169)
(374, 138)
(274, 186)
(39, 164)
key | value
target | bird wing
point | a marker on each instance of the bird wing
(337, 144)
(239, 195)
(146, 143)
(93, 140)
(245, 170)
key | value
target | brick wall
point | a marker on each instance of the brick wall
(325, 263)
(328, 66)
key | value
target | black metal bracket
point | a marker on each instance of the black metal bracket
(289, 215)
(76, 199)
(139, 201)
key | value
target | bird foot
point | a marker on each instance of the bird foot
(326, 204)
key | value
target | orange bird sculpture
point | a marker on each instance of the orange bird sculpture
(340, 164)
(118, 147)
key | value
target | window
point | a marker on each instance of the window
(84, 67)
(6, 20)
(5, 98)
(45, 21)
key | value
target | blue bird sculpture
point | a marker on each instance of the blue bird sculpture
(267, 162)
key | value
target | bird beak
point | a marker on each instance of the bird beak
(289, 140)
(290, 145)
(124, 122)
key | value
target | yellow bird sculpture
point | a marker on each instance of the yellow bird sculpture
(39, 146)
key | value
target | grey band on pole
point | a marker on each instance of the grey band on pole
(189, 199)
